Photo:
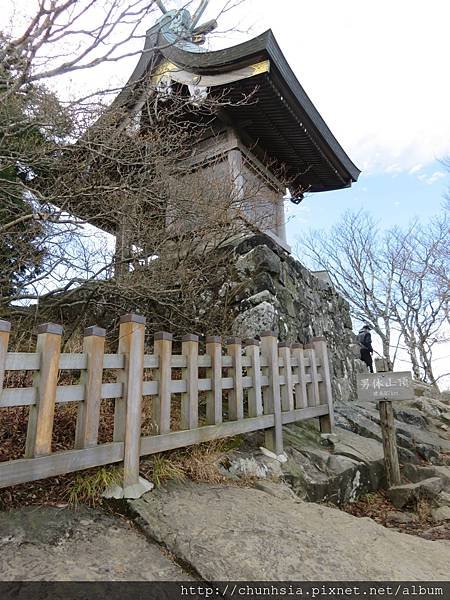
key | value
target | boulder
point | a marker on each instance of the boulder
(357, 447)
(415, 473)
(403, 495)
(255, 320)
(410, 415)
(441, 514)
(400, 518)
(444, 473)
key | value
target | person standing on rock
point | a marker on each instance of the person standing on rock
(365, 346)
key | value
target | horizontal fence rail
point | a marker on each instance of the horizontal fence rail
(243, 387)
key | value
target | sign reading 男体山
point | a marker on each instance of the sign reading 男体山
(385, 386)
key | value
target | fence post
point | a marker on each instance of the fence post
(301, 397)
(271, 393)
(40, 420)
(236, 395)
(132, 334)
(388, 434)
(325, 391)
(287, 392)
(189, 400)
(313, 388)
(214, 397)
(255, 408)
(5, 328)
(161, 405)
(86, 433)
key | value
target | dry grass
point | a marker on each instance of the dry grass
(423, 509)
(87, 488)
(197, 463)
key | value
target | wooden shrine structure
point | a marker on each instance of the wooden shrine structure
(280, 130)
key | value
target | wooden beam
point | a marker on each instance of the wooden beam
(324, 384)
(389, 443)
(31, 469)
(132, 334)
(86, 433)
(255, 407)
(161, 404)
(271, 394)
(313, 389)
(5, 328)
(236, 396)
(287, 390)
(41, 416)
(189, 399)
(214, 373)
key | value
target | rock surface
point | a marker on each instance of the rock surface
(441, 514)
(277, 292)
(417, 439)
(57, 544)
(402, 495)
(247, 534)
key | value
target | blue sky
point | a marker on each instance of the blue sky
(392, 198)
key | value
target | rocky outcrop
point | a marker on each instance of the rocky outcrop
(341, 467)
(418, 437)
(239, 533)
(273, 291)
(43, 543)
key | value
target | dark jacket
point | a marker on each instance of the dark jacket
(365, 340)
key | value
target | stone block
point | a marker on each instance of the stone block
(403, 495)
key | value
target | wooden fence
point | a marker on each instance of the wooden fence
(267, 385)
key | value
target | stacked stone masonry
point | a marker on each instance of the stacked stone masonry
(274, 291)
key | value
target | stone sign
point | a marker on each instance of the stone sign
(385, 386)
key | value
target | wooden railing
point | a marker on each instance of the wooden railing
(266, 385)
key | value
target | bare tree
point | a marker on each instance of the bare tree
(127, 173)
(396, 280)
(422, 290)
(351, 253)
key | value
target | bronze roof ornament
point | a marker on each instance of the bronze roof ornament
(180, 29)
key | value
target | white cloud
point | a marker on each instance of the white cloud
(375, 70)
(430, 179)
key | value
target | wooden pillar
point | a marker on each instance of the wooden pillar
(189, 400)
(86, 434)
(287, 391)
(161, 404)
(301, 398)
(5, 328)
(271, 393)
(389, 443)
(255, 408)
(325, 392)
(40, 420)
(214, 373)
(237, 178)
(280, 218)
(236, 395)
(132, 334)
(313, 387)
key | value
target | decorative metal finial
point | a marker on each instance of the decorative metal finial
(180, 25)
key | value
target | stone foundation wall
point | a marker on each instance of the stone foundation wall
(274, 291)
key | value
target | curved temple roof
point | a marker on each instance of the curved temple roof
(280, 119)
